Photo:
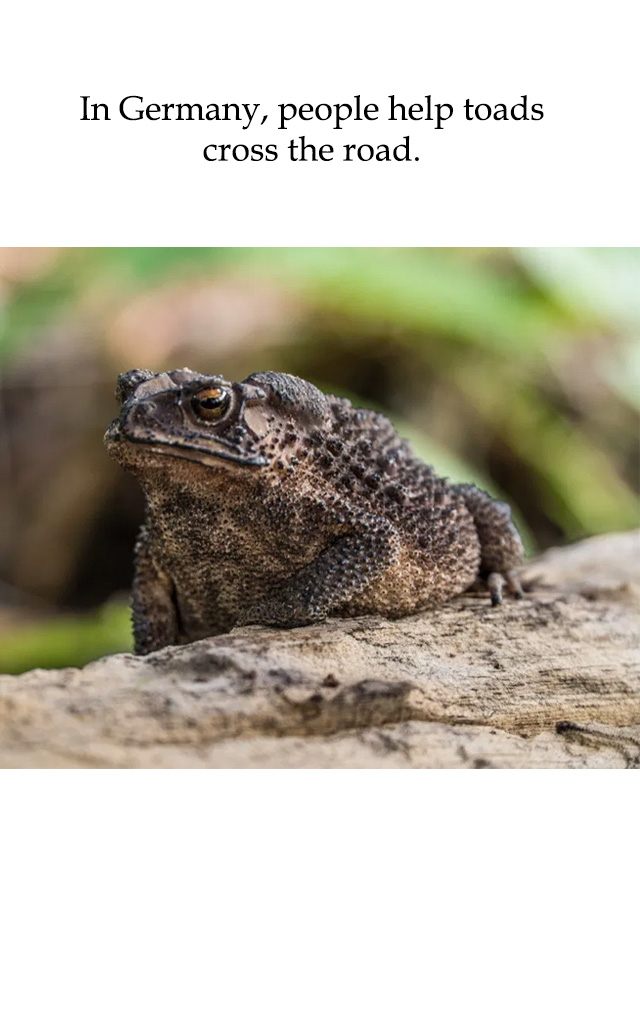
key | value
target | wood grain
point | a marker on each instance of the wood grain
(549, 682)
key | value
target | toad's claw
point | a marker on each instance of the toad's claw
(513, 584)
(496, 583)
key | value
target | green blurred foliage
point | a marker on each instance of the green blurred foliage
(520, 338)
(67, 640)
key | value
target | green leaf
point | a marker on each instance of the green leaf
(418, 290)
(596, 284)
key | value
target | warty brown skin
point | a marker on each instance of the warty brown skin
(271, 503)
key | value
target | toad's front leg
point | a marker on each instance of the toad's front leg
(155, 616)
(341, 571)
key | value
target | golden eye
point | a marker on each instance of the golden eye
(211, 403)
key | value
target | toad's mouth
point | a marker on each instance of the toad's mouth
(216, 452)
(205, 456)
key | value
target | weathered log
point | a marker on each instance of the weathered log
(549, 682)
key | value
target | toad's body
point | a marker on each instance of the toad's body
(269, 502)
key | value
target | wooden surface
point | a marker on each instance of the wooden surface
(549, 682)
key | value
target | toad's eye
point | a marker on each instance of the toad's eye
(211, 403)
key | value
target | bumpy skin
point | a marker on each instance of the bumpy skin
(288, 507)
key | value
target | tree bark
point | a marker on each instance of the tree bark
(552, 681)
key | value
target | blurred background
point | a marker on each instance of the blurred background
(518, 369)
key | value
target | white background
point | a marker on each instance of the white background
(337, 891)
(568, 179)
